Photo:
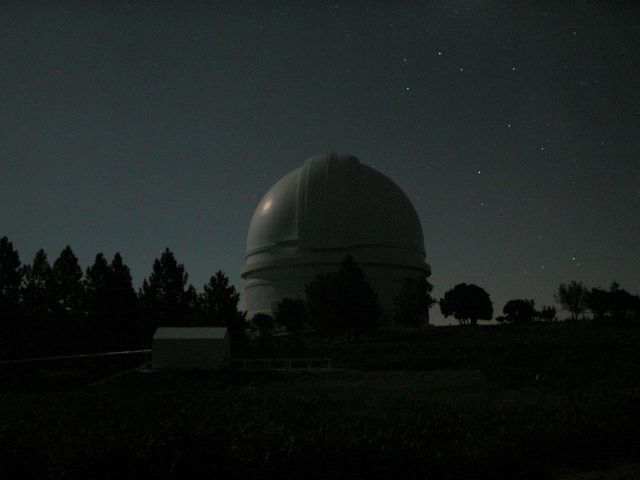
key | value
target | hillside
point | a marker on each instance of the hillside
(545, 401)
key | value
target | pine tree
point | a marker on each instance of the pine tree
(38, 300)
(163, 297)
(125, 309)
(11, 322)
(68, 297)
(219, 304)
(111, 305)
(96, 303)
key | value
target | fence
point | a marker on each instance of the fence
(73, 357)
(282, 364)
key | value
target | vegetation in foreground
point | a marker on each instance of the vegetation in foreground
(510, 401)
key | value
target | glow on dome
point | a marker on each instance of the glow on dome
(311, 218)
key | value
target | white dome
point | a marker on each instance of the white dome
(311, 218)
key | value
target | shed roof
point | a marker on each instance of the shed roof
(191, 332)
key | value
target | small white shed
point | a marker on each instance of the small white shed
(190, 347)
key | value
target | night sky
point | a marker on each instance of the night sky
(514, 128)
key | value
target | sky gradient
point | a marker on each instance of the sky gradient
(512, 126)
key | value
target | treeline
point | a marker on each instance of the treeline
(469, 303)
(55, 309)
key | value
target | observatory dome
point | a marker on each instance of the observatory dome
(311, 218)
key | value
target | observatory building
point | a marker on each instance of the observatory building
(311, 218)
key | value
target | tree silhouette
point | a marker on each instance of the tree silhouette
(110, 305)
(413, 302)
(219, 301)
(125, 310)
(97, 300)
(291, 313)
(263, 323)
(321, 293)
(572, 297)
(343, 301)
(548, 313)
(163, 296)
(600, 302)
(467, 303)
(358, 301)
(219, 306)
(39, 304)
(519, 311)
(11, 324)
(68, 298)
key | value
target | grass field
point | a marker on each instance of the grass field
(545, 401)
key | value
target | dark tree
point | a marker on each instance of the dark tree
(600, 303)
(263, 323)
(164, 297)
(358, 301)
(68, 295)
(321, 293)
(98, 331)
(11, 322)
(219, 306)
(624, 306)
(572, 297)
(111, 305)
(67, 277)
(125, 309)
(413, 302)
(467, 303)
(548, 313)
(219, 301)
(291, 314)
(39, 305)
(343, 301)
(519, 311)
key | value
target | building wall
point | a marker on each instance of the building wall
(188, 353)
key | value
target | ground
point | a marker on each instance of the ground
(545, 401)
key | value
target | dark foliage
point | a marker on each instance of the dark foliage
(263, 323)
(39, 305)
(49, 311)
(616, 304)
(11, 322)
(573, 298)
(219, 306)
(68, 293)
(519, 311)
(164, 297)
(111, 307)
(467, 303)
(413, 302)
(547, 313)
(291, 314)
(343, 301)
